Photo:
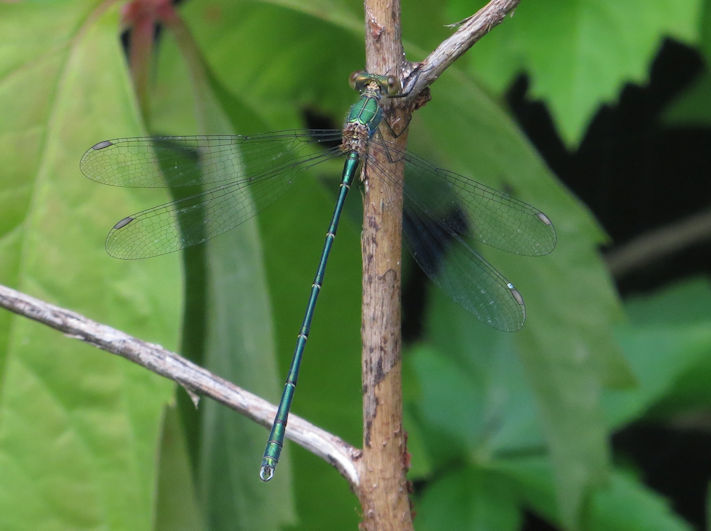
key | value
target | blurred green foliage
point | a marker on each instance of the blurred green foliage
(497, 423)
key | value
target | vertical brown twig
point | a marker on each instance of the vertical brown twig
(383, 490)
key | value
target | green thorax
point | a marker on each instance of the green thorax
(366, 112)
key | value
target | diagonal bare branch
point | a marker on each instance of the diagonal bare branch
(469, 31)
(193, 378)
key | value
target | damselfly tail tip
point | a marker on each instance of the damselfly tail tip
(266, 472)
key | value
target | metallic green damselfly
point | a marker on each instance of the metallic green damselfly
(230, 178)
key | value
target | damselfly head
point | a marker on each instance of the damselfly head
(387, 85)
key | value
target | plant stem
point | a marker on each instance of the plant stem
(383, 489)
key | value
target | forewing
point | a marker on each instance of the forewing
(461, 271)
(200, 216)
(186, 161)
(477, 212)
(444, 213)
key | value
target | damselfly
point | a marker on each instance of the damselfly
(228, 179)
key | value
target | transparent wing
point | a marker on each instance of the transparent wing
(477, 212)
(255, 171)
(460, 271)
(445, 213)
(185, 161)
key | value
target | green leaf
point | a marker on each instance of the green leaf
(628, 505)
(579, 53)
(469, 499)
(227, 323)
(489, 407)
(623, 502)
(420, 464)
(666, 342)
(704, 28)
(692, 107)
(292, 69)
(79, 428)
(489, 404)
(447, 387)
(567, 348)
(177, 506)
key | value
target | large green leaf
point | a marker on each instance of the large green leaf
(566, 347)
(579, 53)
(177, 506)
(469, 498)
(622, 503)
(78, 427)
(491, 418)
(693, 107)
(667, 342)
(227, 322)
(290, 70)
